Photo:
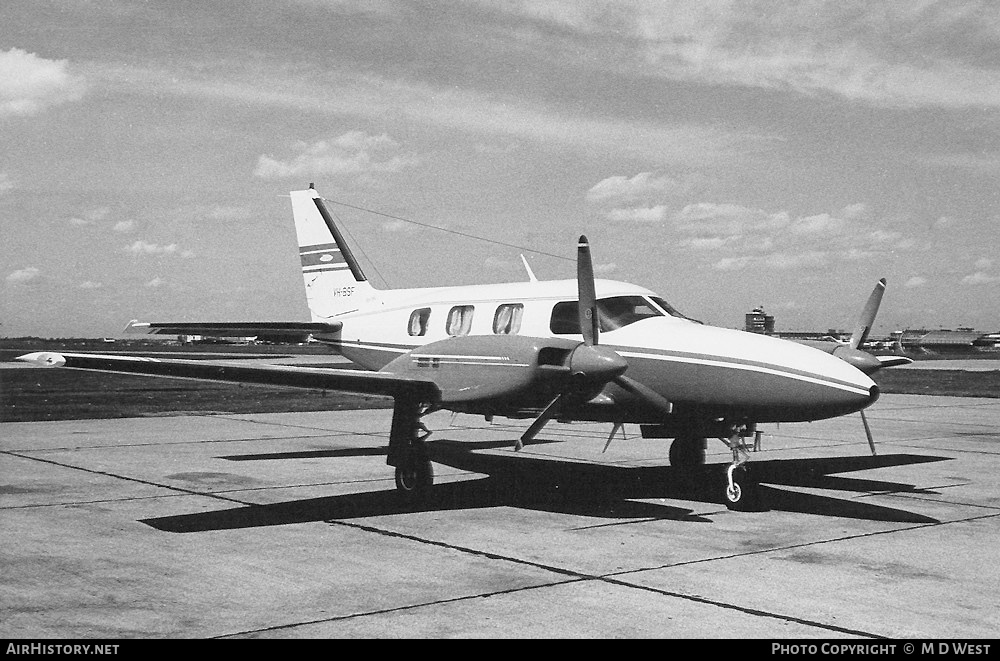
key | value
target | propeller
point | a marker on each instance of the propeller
(591, 365)
(852, 351)
(867, 319)
(864, 361)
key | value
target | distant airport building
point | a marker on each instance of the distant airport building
(961, 341)
(758, 321)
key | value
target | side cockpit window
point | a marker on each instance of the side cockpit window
(671, 310)
(459, 320)
(507, 320)
(418, 321)
(614, 312)
(564, 319)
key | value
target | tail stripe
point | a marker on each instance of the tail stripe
(320, 269)
(319, 248)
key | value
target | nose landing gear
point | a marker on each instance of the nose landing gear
(742, 492)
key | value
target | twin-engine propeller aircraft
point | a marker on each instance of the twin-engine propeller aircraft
(583, 350)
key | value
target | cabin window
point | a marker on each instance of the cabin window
(507, 320)
(459, 320)
(613, 312)
(418, 321)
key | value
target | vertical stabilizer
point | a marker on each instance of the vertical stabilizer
(334, 281)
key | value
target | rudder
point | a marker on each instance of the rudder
(334, 281)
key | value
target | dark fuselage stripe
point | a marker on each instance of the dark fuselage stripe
(680, 357)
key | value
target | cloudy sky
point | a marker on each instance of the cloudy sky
(724, 154)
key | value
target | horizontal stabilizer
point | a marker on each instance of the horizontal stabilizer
(233, 328)
(317, 378)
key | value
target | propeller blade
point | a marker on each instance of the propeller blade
(587, 307)
(645, 393)
(540, 421)
(867, 319)
(868, 433)
(614, 430)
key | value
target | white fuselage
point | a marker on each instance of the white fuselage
(711, 370)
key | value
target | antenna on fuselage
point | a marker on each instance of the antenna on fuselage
(531, 275)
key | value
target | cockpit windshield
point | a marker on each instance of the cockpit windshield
(614, 312)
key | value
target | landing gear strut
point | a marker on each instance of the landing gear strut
(741, 490)
(408, 451)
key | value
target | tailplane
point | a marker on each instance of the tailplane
(334, 281)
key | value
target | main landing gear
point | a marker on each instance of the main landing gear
(415, 479)
(742, 492)
(408, 450)
(687, 451)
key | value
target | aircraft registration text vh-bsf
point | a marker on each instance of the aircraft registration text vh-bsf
(573, 350)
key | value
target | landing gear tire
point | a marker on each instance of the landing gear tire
(687, 451)
(743, 495)
(415, 480)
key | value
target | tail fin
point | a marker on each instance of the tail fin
(333, 279)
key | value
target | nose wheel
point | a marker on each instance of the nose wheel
(742, 492)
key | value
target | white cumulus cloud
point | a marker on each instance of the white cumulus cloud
(641, 186)
(29, 84)
(980, 278)
(141, 247)
(23, 275)
(639, 214)
(352, 153)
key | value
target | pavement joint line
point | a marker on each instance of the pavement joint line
(925, 422)
(186, 493)
(920, 447)
(957, 503)
(610, 578)
(195, 442)
(807, 544)
(122, 477)
(397, 609)
(273, 423)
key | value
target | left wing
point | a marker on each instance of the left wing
(318, 378)
(233, 329)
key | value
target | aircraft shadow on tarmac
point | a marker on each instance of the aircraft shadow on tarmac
(570, 487)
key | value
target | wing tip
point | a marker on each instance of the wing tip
(43, 359)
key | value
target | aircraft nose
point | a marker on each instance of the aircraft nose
(798, 382)
(846, 386)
